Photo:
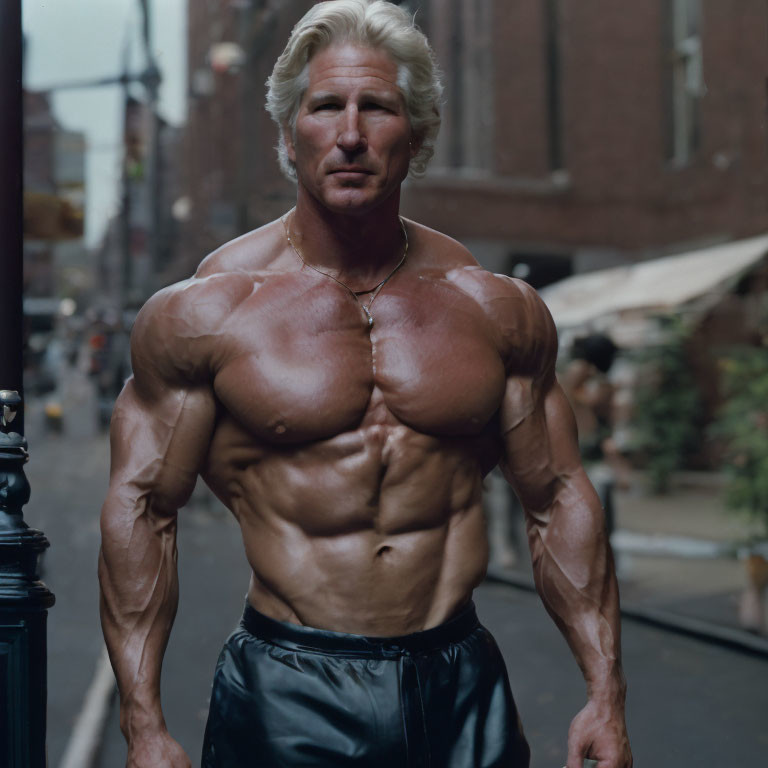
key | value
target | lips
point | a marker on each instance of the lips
(353, 169)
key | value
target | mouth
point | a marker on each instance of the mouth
(352, 171)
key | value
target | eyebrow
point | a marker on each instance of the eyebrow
(320, 96)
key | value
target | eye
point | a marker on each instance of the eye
(374, 105)
(328, 105)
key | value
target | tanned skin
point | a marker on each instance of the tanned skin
(352, 457)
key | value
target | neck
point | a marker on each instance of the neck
(359, 249)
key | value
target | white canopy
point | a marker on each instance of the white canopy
(629, 294)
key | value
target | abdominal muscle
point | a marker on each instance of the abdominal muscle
(379, 531)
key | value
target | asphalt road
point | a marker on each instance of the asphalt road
(68, 473)
(689, 704)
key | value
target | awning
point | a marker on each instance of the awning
(629, 295)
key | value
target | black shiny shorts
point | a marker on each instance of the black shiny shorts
(286, 696)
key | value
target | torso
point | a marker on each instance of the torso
(353, 457)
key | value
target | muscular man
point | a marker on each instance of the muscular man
(343, 380)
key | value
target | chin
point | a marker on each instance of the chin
(351, 200)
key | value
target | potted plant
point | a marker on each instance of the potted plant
(667, 404)
(742, 427)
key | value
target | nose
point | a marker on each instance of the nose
(351, 137)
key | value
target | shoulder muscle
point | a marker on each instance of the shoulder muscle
(523, 327)
(174, 334)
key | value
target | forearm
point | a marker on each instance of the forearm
(139, 597)
(574, 574)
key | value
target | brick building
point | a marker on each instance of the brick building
(575, 134)
(615, 130)
(229, 170)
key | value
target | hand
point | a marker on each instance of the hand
(599, 732)
(158, 750)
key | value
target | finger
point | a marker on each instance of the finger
(576, 752)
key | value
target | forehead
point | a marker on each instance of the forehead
(347, 65)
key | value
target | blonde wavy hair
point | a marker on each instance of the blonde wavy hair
(375, 24)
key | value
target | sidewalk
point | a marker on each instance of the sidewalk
(678, 553)
(703, 587)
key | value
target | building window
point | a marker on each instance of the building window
(461, 32)
(685, 80)
(554, 78)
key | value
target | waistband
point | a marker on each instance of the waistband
(301, 638)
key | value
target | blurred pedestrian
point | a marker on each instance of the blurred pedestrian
(592, 396)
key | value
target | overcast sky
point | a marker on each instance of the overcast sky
(80, 39)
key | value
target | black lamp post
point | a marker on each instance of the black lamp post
(23, 607)
(23, 599)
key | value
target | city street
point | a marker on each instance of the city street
(690, 703)
(141, 135)
(68, 473)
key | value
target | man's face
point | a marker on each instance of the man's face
(351, 142)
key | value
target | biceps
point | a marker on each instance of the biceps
(159, 443)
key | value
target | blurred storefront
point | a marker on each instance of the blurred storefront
(55, 259)
(717, 297)
(720, 287)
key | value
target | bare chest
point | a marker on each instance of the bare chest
(302, 364)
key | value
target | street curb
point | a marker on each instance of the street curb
(83, 747)
(683, 625)
(634, 543)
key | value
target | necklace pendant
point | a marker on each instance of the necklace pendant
(355, 294)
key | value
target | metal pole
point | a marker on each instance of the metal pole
(126, 261)
(156, 244)
(152, 80)
(11, 196)
(23, 599)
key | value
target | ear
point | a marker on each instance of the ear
(288, 140)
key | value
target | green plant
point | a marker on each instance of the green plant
(742, 425)
(667, 405)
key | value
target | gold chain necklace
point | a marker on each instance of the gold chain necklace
(355, 294)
